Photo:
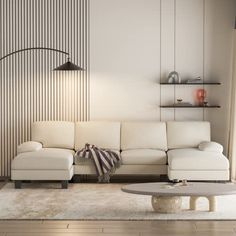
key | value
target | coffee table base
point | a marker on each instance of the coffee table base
(166, 204)
(211, 200)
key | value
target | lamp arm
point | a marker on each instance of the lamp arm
(27, 49)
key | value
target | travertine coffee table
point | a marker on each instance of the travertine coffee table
(166, 198)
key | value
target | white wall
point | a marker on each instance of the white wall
(125, 59)
(134, 44)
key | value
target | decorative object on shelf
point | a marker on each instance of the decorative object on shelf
(66, 66)
(201, 95)
(205, 103)
(180, 103)
(174, 78)
(197, 80)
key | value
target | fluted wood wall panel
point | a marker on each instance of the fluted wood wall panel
(29, 88)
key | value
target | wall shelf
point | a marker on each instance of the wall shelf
(205, 83)
(173, 106)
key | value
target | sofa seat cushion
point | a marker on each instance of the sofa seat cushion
(59, 149)
(143, 157)
(43, 160)
(195, 159)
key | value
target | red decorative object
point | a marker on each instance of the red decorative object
(201, 95)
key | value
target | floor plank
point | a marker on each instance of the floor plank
(118, 224)
(31, 226)
(215, 225)
(49, 230)
(159, 227)
(21, 222)
(181, 225)
(214, 233)
(117, 228)
(68, 234)
(188, 234)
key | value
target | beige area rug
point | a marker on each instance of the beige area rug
(96, 202)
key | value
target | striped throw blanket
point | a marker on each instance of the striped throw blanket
(105, 161)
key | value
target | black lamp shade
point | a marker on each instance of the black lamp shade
(68, 66)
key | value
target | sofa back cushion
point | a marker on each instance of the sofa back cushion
(98, 133)
(136, 135)
(54, 134)
(187, 134)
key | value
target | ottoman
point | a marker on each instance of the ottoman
(45, 164)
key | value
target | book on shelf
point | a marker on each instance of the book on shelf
(194, 81)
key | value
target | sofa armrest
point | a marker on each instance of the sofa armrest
(30, 146)
(211, 147)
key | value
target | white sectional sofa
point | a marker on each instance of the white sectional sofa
(155, 148)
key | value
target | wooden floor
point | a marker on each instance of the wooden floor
(116, 228)
(99, 228)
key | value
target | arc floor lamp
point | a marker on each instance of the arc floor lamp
(64, 67)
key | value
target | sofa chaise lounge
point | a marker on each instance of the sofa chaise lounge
(146, 148)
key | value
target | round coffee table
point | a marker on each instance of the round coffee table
(166, 198)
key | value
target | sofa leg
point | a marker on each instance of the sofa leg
(64, 184)
(75, 179)
(17, 184)
(175, 181)
(164, 178)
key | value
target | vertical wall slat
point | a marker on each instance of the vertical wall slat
(29, 89)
